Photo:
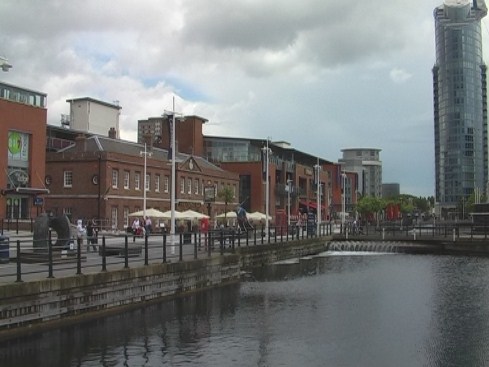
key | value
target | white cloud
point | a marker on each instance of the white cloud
(317, 73)
(399, 75)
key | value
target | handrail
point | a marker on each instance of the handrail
(115, 251)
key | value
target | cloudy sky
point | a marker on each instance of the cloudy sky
(321, 74)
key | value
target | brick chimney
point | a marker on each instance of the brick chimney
(81, 143)
(112, 133)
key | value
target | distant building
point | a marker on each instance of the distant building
(23, 117)
(93, 116)
(460, 102)
(390, 190)
(366, 163)
(155, 131)
(291, 172)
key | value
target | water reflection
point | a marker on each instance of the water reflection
(460, 325)
(372, 310)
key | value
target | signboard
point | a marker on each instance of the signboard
(38, 201)
(18, 146)
(18, 178)
(209, 194)
(311, 223)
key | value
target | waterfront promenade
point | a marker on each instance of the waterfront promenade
(123, 251)
(157, 248)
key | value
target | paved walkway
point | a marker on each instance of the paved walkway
(91, 261)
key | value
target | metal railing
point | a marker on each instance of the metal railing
(23, 259)
(453, 231)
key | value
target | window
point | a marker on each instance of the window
(157, 183)
(68, 179)
(189, 185)
(196, 186)
(148, 182)
(115, 179)
(182, 185)
(126, 180)
(125, 215)
(166, 184)
(114, 217)
(137, 181)
(67, 212)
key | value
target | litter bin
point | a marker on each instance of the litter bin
(4, 249)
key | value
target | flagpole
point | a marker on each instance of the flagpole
(266, 150)
(318, 199)
(173, 178)
(267, 193)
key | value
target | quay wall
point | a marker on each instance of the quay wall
(31, 306)
(256, 256)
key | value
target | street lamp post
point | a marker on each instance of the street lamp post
(343, 176)
(318, 198)
(146, 154)
(171, 117)
(289, 188)
(266, 151)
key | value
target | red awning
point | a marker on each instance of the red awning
(311, 204)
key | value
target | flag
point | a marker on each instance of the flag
(264, 160)
(170, 137)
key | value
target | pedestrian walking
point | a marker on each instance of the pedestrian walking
(80, 232)
(91, 240)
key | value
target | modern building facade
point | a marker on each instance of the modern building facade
(23, 117)
(366, 163)
(291, 172)
(460, 102)
(292, 176)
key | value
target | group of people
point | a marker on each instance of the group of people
(89, 232)
(142, 227)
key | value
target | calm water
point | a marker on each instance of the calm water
(331, 310)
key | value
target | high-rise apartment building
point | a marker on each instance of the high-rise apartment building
(366, 163)
(460, 102)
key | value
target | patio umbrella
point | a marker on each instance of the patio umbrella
(230, 215)
(258, 216)
(192, 214)
(178, 215)
(153, 213)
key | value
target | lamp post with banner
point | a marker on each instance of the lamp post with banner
(170, 115)
(317, 171)
(343, 202)
(266, 151)
(146, 153)
(209, 197)
(289, 188)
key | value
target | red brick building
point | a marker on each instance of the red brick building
(287, 166)
(22, 152)
(100, 177)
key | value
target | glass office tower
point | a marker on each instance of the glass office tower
(460, 102)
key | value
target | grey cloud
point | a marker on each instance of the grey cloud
(326, 33)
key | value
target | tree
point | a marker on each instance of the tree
(370, 205)
(227, 195)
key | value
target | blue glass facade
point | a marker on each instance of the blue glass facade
(460, 101)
